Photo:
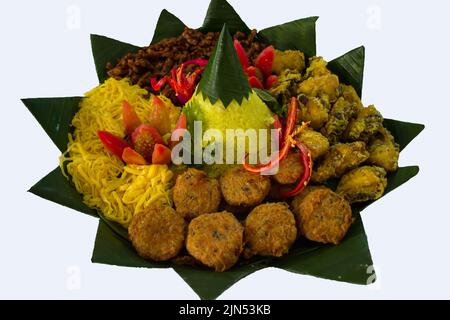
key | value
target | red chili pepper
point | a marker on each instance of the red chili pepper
(113, 143)
(288, 143)
(242, 55)
(255, 83)
(270, 81)
(305, 158)
(264, 61)
(183, 86)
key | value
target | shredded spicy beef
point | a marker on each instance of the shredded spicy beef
(157, 60)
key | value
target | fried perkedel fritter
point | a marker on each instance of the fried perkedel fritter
(242, 188)
(341, 158)
(367, 122)
(216, 240)
(289, 170)
(363, 184)
(195, 193)
(384, 152)
(157, 233)
(270, 230)
(340, 115)
(322, 215)
(316, 143)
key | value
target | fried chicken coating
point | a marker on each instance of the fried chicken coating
(195, 193)
(350, 95)
(289, 170)
(368, 121)
(317, 144)
(341, 158)
(312, 110)
(339, 118)
(242, 188)
(288, 60)
(324, 87)
(384, 152)
(216, 240)
(286, 86)
(157, 233)
(363, 184)
(317, 67)
(322, 215)
(270, 230)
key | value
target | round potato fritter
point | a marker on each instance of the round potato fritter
(242, 188)
(195, 194)
(290, 169)
(216, 240)
(158, 233)
(270, 230)
(322, 215)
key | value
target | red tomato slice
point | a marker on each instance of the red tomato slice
(129, 156)
(264, 61)
(161, 154)
(113, 143)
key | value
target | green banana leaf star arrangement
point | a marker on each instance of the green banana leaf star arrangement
(221, 81)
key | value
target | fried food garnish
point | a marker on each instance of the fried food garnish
(341, 158)
(363, 184)
(316, 143)
(339, 118)
(384, 152)
(368, 121)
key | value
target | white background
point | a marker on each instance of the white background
(45, 249)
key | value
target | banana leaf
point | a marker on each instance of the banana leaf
(346, 262)
(168, 26)
(295, 35)
(222, 70)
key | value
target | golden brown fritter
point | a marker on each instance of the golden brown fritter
(322, 215)
(350, 95)
(368, 121)
(384, 152)
(324, 87)
(341, 158)
(363, 184)
(270, 230)
(242, 188)
(157, 233)
(313, 111)
(289, 170)
(316, 143)
(216, 240)
(339, 118)
(195, 193)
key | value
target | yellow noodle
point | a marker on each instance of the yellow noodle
(116, 190)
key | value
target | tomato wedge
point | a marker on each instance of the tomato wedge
(113, 143)
(161, 154)
(129, 156)
(264, 61)
(242, 55)
(129, 117)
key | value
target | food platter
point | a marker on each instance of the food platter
(120, 68)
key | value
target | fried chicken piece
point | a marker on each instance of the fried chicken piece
(341, 158)
(317, 67)
(286, 86)
(324, 87)
(312, 110)
(384, 152)
(368, 121)
(363, 184)
(350, 95)
(339, 118)
(317, 144)
(289, 59)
